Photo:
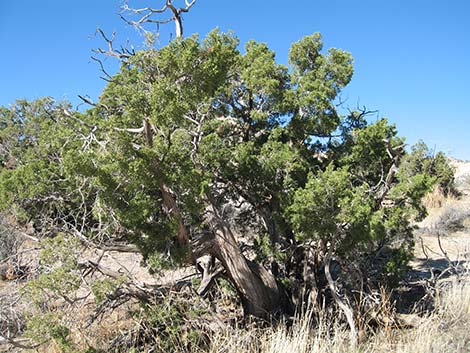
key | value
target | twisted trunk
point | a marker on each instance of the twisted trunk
(257, 287)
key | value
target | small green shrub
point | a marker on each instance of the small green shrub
(59, 277)
(104, 287)
(42, 328)
(56, 284)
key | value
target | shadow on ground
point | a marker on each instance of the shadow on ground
(416, 294)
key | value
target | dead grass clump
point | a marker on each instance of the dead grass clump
(445, 330)
(302, 337)
(435, 199)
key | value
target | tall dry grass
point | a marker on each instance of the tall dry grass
(446, 330)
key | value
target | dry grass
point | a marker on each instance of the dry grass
(434, 199)
(447, 329)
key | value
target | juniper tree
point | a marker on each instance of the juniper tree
(197, 147)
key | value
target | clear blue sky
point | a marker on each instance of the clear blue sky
(412, 58)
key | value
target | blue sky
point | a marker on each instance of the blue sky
(412, 58)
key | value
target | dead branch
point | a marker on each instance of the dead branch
(130, 289)
(148, 14)
(12, 325)
(210, 272)
(103, 70)
(353, 335)
(137, 130)
(395, 153)
(125, 248)
(18, 343)
(121, 54)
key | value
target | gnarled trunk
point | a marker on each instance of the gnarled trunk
(257, 288)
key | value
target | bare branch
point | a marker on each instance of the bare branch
(395, 153)
(121, 54)
(343, 306)
(87, 100)
(100, 62)
(147, 15)
(210, 271)
(18, 343)
(137, 130)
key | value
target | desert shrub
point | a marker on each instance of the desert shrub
(48, 294)
(464, 182)
(452, 219)
(222, 127)
(42, 328)
(58, 277)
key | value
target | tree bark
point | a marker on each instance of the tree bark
(257, 288)
(172, 209)
(169, 201)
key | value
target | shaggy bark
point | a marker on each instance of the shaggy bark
(257, 288)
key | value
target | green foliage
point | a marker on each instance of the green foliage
(102, 288)
(46, 327)
(235, 104)
(227, 290)
(58, 277)
(266, 250)
(60, 251)
(38, 141)
(397, 263)
(341, 205)
(330, 208)
(423, 160)
(318, 79)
